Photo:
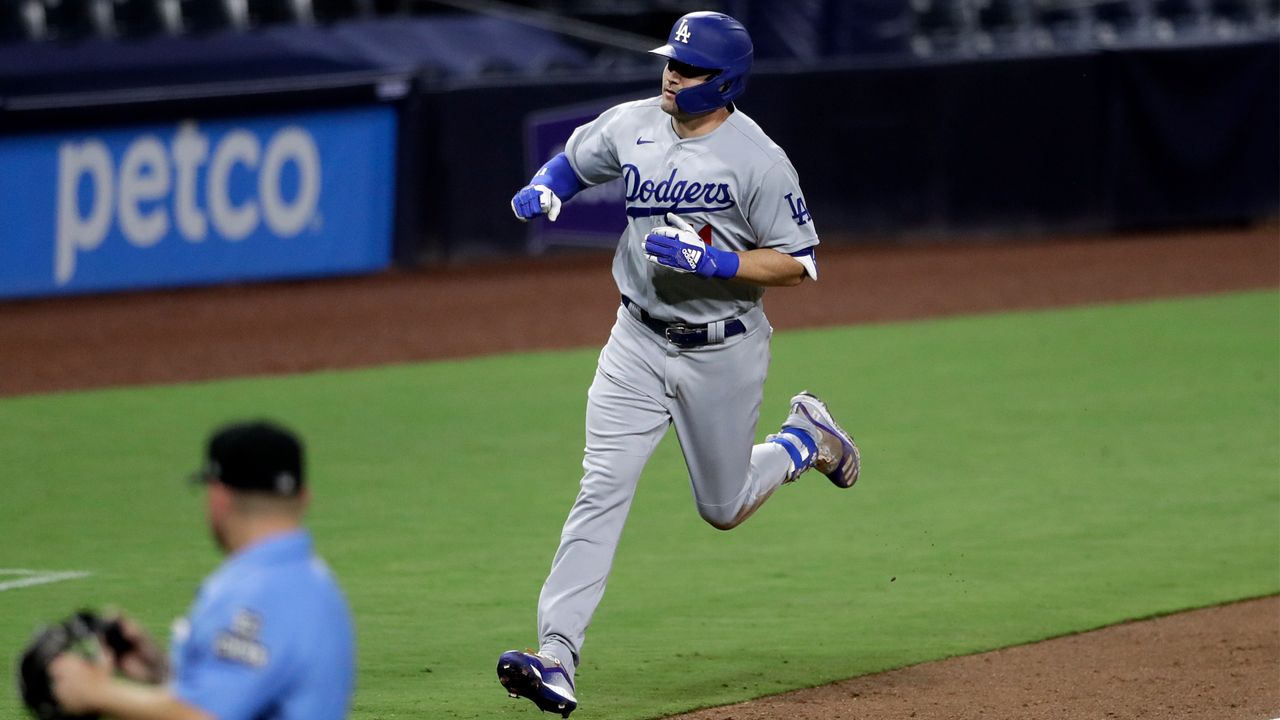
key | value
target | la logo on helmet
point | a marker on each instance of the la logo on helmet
(683, 33)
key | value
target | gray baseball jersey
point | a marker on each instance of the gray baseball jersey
(739, 190)
(734, 185)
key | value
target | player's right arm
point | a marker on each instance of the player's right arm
(551, 186)
(83, 686)
(589, 158)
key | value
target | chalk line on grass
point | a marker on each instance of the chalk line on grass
(28, 578)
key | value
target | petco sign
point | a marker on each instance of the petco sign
(152, 177)
(197, 203)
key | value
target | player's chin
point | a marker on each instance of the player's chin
(668, 103)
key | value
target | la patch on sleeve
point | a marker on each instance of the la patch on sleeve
(240, 643)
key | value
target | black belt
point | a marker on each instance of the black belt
(684, 335)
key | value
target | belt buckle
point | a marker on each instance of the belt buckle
(677, 334)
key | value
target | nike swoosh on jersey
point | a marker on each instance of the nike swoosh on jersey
(642, 141)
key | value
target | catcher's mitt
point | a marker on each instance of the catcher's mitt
(80, 633)
(132, 652)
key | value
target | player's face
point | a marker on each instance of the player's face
(677, 76)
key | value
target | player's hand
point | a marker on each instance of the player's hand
(78, 681)
(535, 200)
(137, 656)
(678, 247)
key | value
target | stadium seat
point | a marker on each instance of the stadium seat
(72, 20)
(1061, 25)
(937, 27)
(271, 12)
(1232, 17)
(1180, 18)
(140, 18)
(21, 20)
(997, 15)
(1004, 25)
(1116, 21)
(205, 16)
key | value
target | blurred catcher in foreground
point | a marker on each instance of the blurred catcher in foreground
(269, 636)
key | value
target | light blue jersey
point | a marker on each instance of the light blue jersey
(269, 637)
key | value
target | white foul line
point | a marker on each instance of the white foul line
(38, 577)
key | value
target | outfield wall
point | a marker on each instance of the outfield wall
(1101, 141)
(292, 158)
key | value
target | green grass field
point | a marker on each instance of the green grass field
(1025, 475)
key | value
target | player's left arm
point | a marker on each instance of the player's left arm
(785, 234)
(785, 238)
(770, 268)
(678, 247)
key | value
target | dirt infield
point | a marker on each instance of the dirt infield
(198, 334)
(1220, 663)
(1214, 663)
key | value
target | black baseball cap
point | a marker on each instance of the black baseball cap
(259, 456)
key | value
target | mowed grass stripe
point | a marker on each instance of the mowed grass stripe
(1026, 475)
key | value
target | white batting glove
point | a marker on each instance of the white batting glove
(683, 226)
(664, 243)
(678, 247)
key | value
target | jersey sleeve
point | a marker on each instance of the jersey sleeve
(234, 663)
(778, 213)
(592, 151)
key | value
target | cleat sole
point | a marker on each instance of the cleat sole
(522, 681)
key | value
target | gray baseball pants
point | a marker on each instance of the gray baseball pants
(643, 384)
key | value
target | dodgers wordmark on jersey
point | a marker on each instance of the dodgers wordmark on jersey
(734, 185)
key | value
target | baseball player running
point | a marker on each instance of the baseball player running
(714, 215)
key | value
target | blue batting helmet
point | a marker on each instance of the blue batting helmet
(712, 41)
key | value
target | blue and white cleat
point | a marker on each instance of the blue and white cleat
(837, 455)
(539, 678)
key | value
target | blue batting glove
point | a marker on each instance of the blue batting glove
(678, 247)
(535, 200)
